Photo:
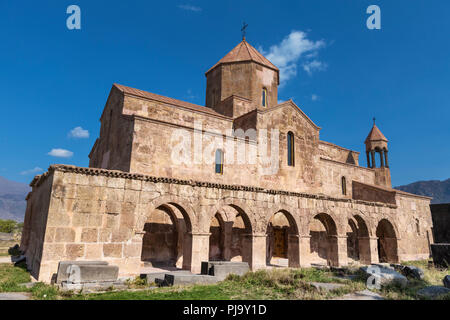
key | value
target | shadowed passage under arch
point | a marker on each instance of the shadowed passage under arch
(166, 241)
(230, 238)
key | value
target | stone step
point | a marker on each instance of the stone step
(221, 269)
(64, 268)
(151, 277)
(93, 286)
(185, 279)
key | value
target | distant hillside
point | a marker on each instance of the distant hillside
(439, 190)
(12, 199)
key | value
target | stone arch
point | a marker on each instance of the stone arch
(323, 242)
(240, 207)
(166, 228)
(234, 239)
(182, 205)
(282, 238)
(387, 241)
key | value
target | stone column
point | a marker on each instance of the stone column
(199, 251)
(386, 158)
(364, 250)
(373, 245)
(368, 159)
(305, 251)
(256, 243)
(382, 158)
(373, 158)
(132, 250)
(337, 251)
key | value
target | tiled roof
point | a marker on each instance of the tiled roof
(171, 101)
(375, 135)
(245, 52)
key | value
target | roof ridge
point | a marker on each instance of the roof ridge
(165, 99)
(237, 55)
(375, 134)
(248, 49)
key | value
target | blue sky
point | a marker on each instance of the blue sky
(340, 73)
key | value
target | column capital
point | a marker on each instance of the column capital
(256, 235)
(337, 236)
(200, 234)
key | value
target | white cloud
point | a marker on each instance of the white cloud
(189, 7)
(292, 48)
(61, 153)
(314, 97)
(314, 65)
(34, 170)
(79, 132)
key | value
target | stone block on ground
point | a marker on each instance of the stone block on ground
(186, 279)
(414, 272)
(221, 269)
(151, 277)
(93, 286)
(432, 292)
(384, 276)
(409, 271)
(92, 273)
(63, 275)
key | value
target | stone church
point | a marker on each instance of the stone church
(135, 206)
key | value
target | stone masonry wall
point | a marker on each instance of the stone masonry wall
(96, 214)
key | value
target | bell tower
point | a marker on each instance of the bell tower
(377, 144)
(243, 73)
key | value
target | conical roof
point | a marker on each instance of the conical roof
(245, 52)
(375, 135)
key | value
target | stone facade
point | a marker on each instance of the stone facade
(135, 205)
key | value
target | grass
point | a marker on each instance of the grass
(432, 277)
(11, 277)
(274, 284)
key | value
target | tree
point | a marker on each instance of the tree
(7, 226)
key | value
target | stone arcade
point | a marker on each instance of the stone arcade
(134, 206)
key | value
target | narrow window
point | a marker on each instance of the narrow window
(290, 148)
(344, 185)
(219, 161)
(264, 97)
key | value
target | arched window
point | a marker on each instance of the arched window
(290, 149)
(219, 161)
(344, 185)
(264, 97)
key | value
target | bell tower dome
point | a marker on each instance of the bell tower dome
(376, 143)
(245, 73)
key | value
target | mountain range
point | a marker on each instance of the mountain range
(439, 190)
(12, 199)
